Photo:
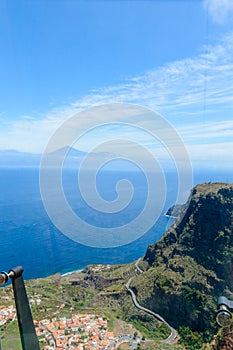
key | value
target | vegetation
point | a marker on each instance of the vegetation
(10, 338)
(100, 292)
(192, 265)
(184, 273)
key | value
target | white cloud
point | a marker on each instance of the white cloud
(194, 94)
(219, 10)
(218, 131)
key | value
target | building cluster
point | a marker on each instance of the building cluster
(36, 300)
(7, 314)
(98, 268)
(80, 332)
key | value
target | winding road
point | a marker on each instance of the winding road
(173, 334)
(119, 340)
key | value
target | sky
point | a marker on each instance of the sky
(174, 57)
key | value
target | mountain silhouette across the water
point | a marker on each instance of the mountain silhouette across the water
(69, 157)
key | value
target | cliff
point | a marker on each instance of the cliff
(184, 274)
(175, 210)
(192, 264)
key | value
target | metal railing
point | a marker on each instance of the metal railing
(27, 331)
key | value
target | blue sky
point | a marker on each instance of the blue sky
(175, 57)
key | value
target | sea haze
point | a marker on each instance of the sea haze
(29, 238)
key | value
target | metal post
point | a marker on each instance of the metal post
(224, 314)
(224, 301)
(28, 335)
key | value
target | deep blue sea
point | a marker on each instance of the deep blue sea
(29, 238)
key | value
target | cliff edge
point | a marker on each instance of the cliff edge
(192, 264)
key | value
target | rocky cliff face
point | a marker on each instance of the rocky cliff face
(192, 264)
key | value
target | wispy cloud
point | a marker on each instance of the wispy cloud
(220, 131)
(194, 94)
(219, 10)
(202, 85)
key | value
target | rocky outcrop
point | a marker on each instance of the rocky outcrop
(99, 282)
(192, 264)
(175, 210)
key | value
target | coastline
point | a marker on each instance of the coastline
(170, 216)
(71, 272)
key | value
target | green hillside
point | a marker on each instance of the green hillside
(183, 275)
(192, 264)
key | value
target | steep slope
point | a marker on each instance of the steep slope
(192, 264)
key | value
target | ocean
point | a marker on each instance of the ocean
(29, 238)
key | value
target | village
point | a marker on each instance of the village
(7, 314)
(79, 332)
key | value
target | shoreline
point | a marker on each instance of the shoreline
(71, 272)
(170, 216)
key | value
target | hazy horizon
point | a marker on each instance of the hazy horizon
(74, 55)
